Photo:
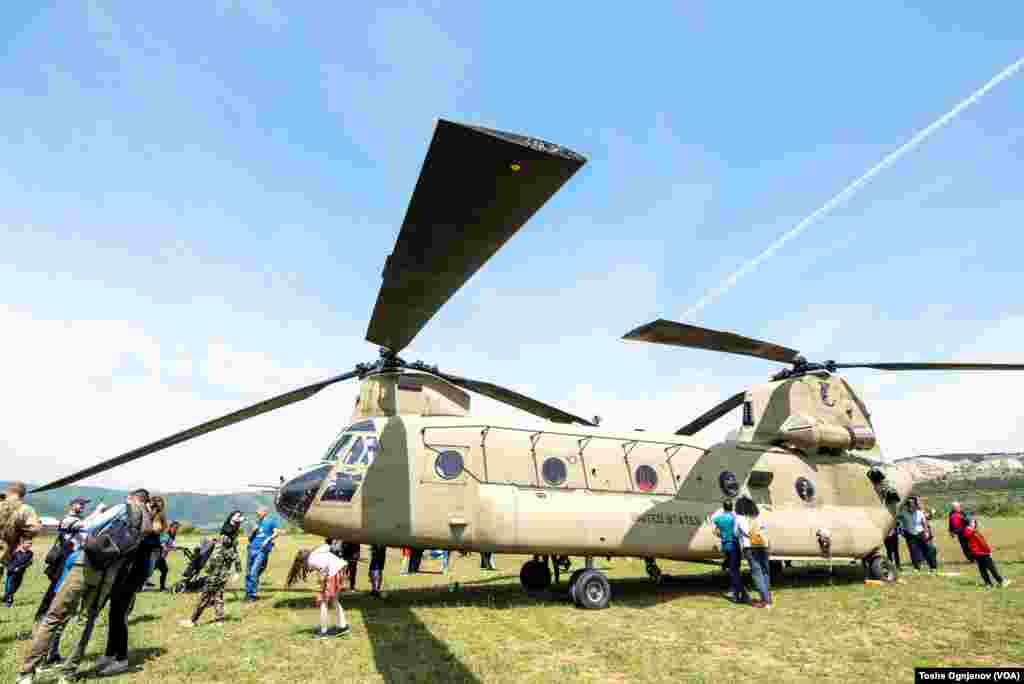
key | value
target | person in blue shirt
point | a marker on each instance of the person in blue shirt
(725, 529)
(261, 543)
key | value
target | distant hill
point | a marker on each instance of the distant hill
(201, 510)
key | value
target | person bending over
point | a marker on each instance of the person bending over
(330, 568)
(218, 571)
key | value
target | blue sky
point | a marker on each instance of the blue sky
(199, 201)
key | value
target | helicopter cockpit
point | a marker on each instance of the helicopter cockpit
(349, 455)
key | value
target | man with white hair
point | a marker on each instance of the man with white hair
(957, 524)
(261, 543)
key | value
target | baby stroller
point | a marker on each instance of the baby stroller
(190, 580)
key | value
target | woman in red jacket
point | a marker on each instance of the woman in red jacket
(982, 553)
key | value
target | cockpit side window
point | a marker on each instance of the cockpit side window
(355, 455)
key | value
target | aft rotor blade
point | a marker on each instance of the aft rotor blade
(662, 331)
(520, 401)
(709, 417)
(477, 188)
(939, 365)
(209, 426)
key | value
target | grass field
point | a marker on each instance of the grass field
(488, 630)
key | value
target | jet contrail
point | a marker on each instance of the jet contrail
(851, 189)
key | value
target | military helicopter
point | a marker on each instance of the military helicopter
(415, 469)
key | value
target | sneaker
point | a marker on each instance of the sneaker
(343, 631)
(25, 679)
(187, 623)
(115, 667)
(1006, 583)
(104, 660)
(318, 634)
(376, 594)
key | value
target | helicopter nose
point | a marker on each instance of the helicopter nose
(295, 496)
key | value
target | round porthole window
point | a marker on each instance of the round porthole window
(646, 478)
(448, 465)
(728, 483)
(804, 488)
(554, 471)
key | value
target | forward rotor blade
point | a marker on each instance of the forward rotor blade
(477, 188)
(209, 426)
(520, 401)
(709, 417)
(662, 331)
(927, 365)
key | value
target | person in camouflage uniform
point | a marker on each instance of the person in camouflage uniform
(219, 571)
(18, 522)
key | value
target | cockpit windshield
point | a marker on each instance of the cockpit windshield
(354, 446)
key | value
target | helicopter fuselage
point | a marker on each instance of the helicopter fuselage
(472, 484)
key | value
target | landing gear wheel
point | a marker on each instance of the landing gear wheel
(879, 568)
(592, 590)
(572, 583)
(535, 575)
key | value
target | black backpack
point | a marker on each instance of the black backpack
(120, 537)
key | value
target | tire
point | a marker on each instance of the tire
(572, 583)
(535, 575)
(881, 569)
(592, 590)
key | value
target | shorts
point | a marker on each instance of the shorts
(330, 587)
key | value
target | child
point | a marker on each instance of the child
(16, 567)
(330, 568)
(982, 553)
(217, 571)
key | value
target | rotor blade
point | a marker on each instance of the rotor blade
(209, 426)
(477, 188)
(709, 417)
(520, 401)
(928, 365)
(683, 335)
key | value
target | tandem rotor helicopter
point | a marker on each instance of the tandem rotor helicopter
(416, 469)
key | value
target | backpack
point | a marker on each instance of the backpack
(120, 537)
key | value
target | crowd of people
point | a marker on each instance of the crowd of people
(102, 560)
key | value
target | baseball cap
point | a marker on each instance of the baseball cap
(80, 500)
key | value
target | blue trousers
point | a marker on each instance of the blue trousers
(758, 561)
(732, 562)
(257, 561)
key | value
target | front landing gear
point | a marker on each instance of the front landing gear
(535, 575)
(878, 568)
(589, 588)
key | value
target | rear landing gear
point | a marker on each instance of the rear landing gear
(535, 575)
(589, 588)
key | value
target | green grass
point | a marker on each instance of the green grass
(488, 630)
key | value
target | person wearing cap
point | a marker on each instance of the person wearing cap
(56, 567)
(261, 543)
(83, 585)
(18, 522)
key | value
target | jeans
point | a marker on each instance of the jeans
(757, 558)
(257, 561)
(732, 563)
(925, 551)
(12, 584)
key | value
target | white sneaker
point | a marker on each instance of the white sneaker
(103, 661)
(115, 667)
(25, 679)
(186, 623)
(1006, 582)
